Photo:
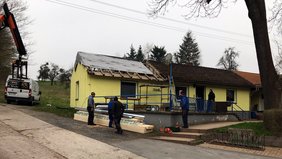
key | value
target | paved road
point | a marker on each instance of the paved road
(23, 136)
(27, 133)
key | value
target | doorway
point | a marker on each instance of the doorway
(200, 98)
(200, 92)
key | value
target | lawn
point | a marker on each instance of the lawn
(257, 127)
(55, 99)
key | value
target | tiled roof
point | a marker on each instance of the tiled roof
(187, 74)
(254, 78)
(110, 66)
(100, 61)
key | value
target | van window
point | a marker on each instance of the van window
(18, 84)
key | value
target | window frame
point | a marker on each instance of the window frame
(77, 90)
(128, 94)
(234, 95)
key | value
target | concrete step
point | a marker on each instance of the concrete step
(184, 134)
(191, 130)
(179, 140)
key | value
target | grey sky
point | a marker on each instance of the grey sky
(60, 31)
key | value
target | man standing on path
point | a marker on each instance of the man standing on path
(90, 109)
(110, 112)
(117, 110)
(211, 100)
(184, 103)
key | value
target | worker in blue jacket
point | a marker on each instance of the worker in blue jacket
(110, 113)
(184, 103)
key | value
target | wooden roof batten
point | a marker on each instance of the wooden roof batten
(124, 74)
(156, 73)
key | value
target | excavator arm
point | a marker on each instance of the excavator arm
(8, 20)
(2, 18)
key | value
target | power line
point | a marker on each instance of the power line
(173, 20)
(72, 5)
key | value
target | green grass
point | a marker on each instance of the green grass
(55, 99)
(257, 127)
(57, 95)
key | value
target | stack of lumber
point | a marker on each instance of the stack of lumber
(134, 124)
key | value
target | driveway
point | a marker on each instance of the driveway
(25, 133)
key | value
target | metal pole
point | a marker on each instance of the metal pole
(170, 86)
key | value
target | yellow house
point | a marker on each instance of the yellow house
(110, 76)
(257, 101)
(140, 84)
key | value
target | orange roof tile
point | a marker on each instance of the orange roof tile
(254, 78)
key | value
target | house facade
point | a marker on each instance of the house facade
(109, 76)
(147, 84)
(257, 101)
(197, 81)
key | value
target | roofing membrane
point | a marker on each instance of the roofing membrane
(110, 62)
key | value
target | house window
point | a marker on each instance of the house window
(230, 95)
(177, 89)
(128, 89)
(77, 90)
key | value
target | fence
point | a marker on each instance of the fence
(159, 102)
(237, 137)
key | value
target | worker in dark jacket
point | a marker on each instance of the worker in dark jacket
(110, 113)
(90, 109)
(184, 103)
(117, 110)
(211, 100)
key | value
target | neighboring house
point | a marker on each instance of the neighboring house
(257, 101)
(197, 81)
(110, 76)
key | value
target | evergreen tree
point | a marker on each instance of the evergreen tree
(188, 51)
(132, 54)
(140, 55)
(158, 54)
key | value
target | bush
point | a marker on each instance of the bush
(273, 121)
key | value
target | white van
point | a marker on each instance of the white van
(26, 90)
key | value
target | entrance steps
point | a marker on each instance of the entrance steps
(191, 135)
(185, 136)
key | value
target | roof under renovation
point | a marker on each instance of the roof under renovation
(103, 65)
(185, 74)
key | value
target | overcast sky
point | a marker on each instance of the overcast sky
(61, 28)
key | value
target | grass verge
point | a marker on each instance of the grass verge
(257, 127)
(55, 99)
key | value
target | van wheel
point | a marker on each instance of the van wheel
(31, 102)
(8, 102)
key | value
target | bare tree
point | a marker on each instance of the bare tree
(257, 13)
(8, 49)
(227, 61)
(147, 49)
(279, 57)
(54, 72)
(276, 16)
